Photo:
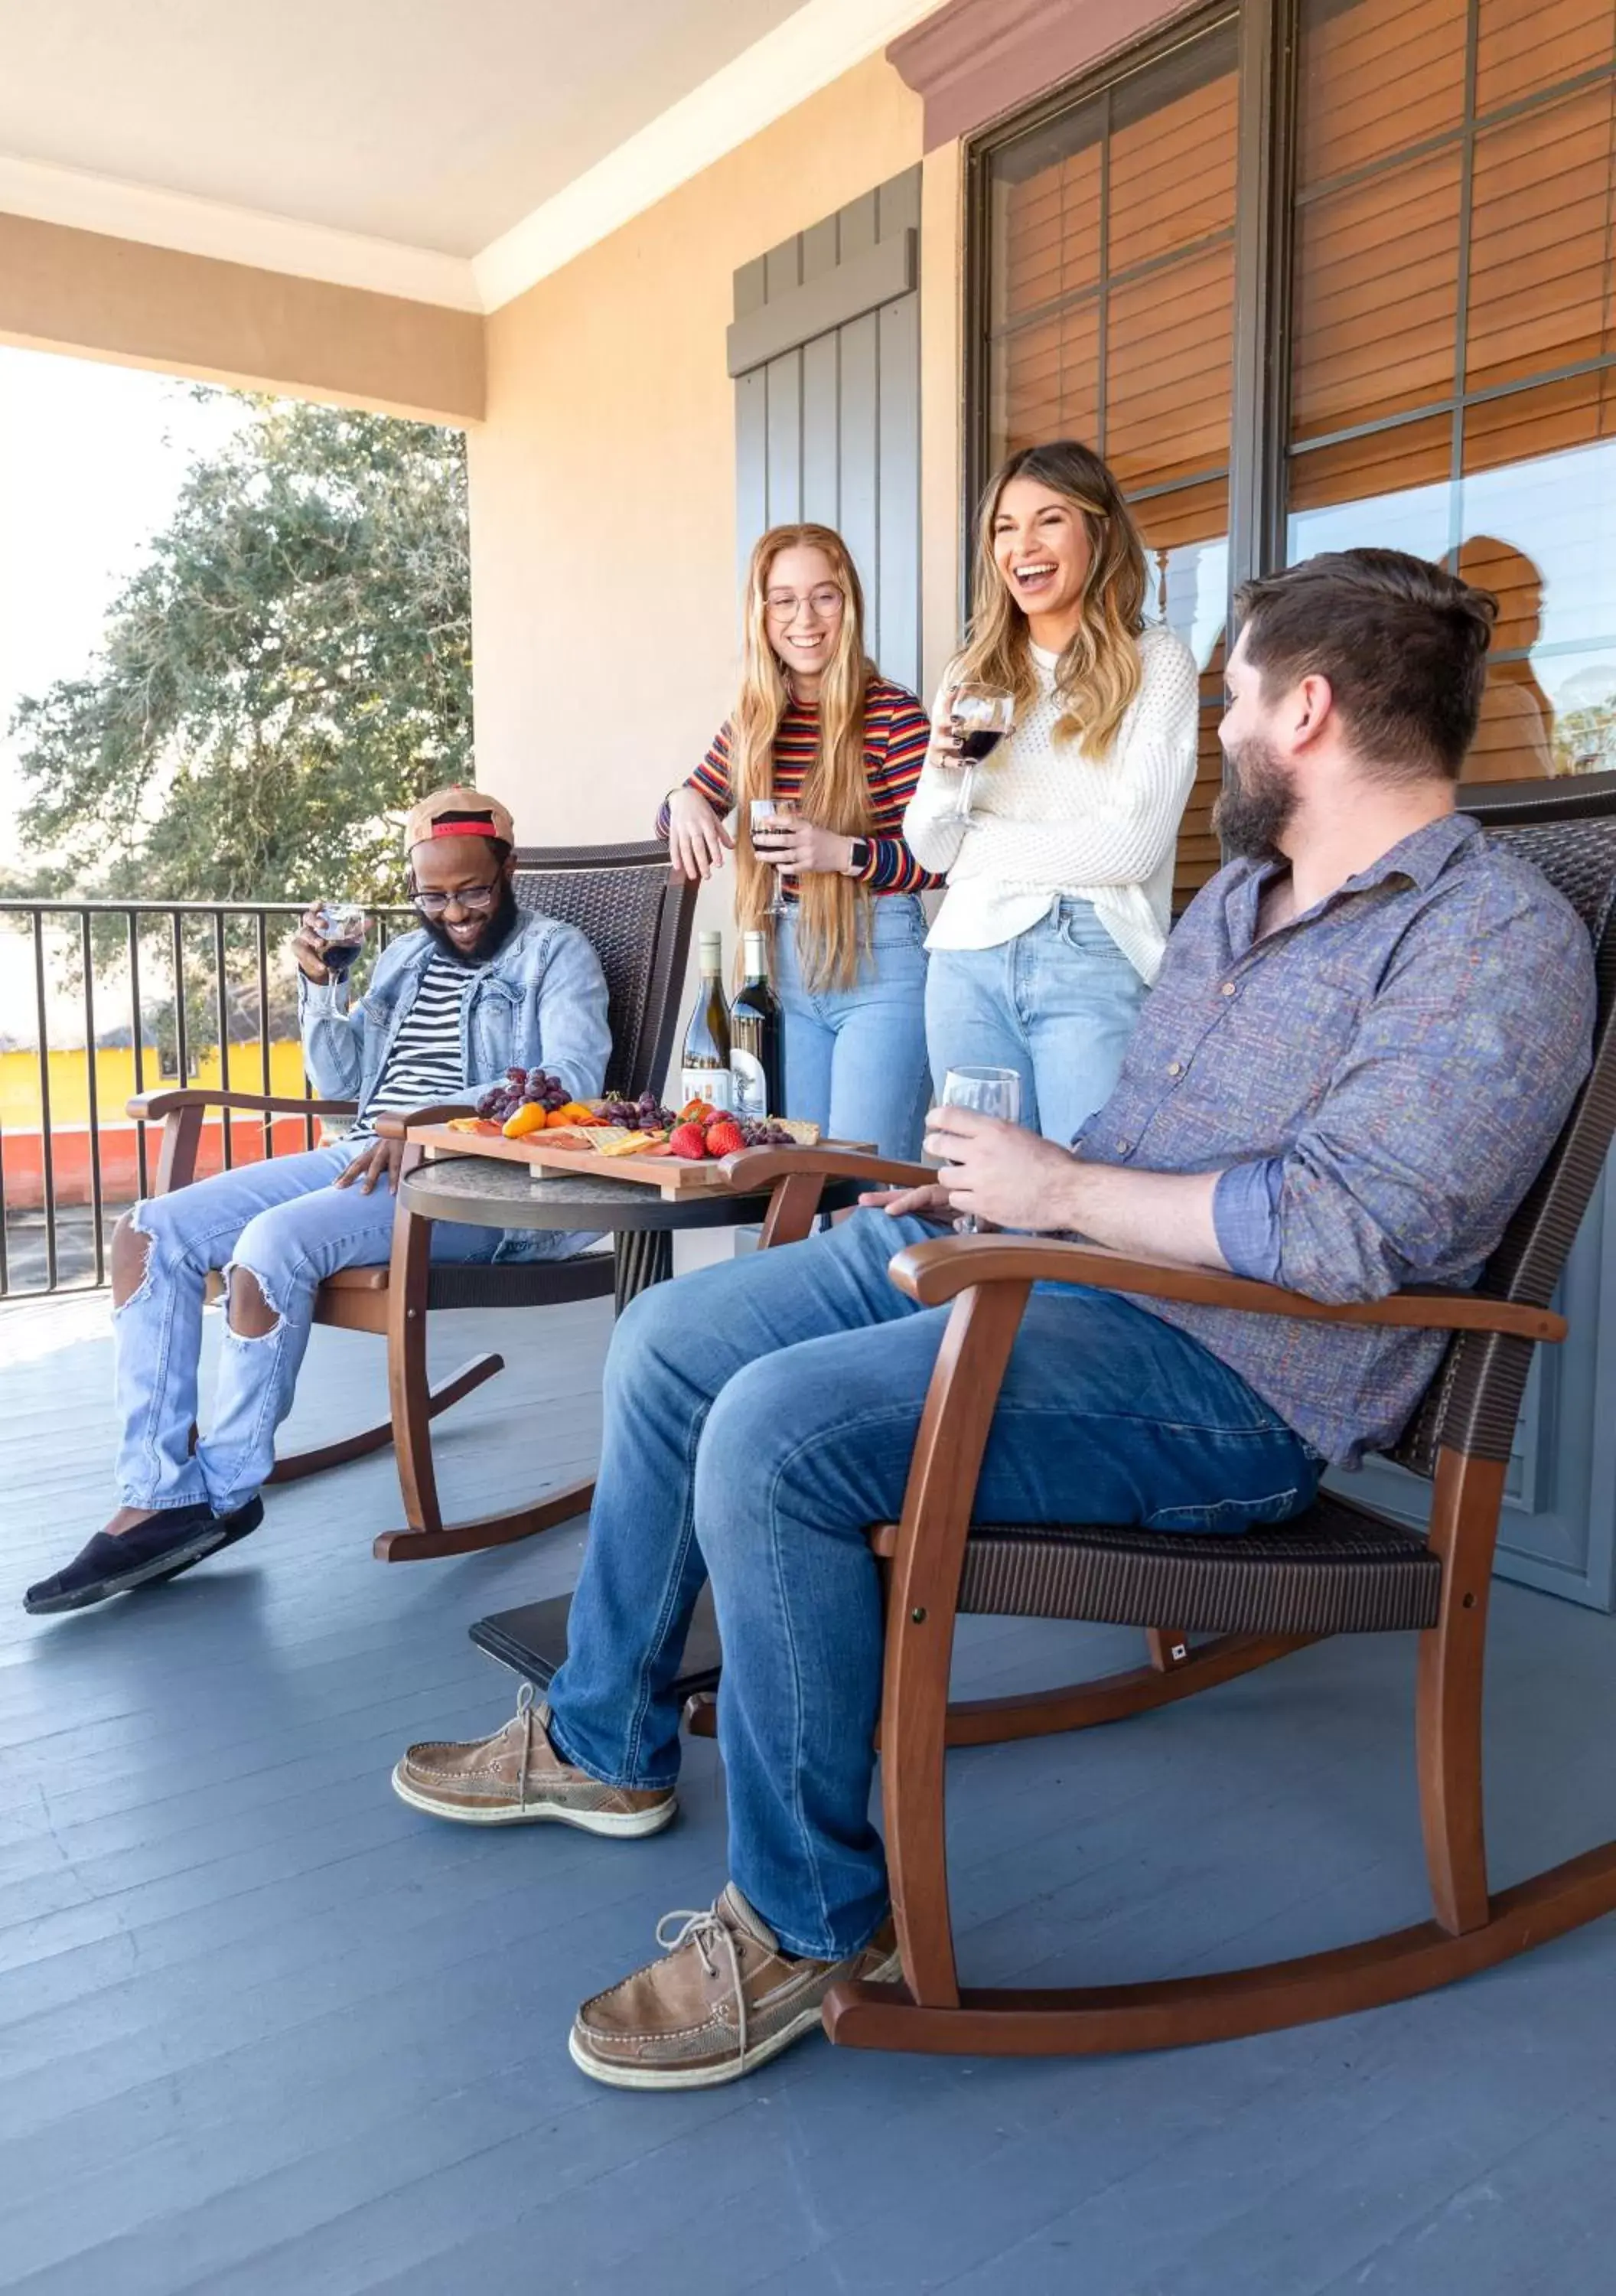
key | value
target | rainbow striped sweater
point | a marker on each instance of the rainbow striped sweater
(896, 735)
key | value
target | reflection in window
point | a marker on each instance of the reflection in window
(1535, 534)
(1453, 383)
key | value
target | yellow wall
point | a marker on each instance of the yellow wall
(20, 1108)
(603, 537)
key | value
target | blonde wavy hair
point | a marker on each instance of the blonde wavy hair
(1098, 672)
(833, 912)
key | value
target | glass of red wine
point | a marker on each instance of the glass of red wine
(981, 716)
(342, 924)
(771, 819)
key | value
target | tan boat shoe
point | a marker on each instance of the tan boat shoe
(517, 1778)
(723, 2001)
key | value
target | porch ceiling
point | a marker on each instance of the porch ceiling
(428, 130)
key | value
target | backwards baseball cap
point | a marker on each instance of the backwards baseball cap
(457, 812)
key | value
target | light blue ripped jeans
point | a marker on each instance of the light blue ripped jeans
(1058, 1004)
(285, 1223)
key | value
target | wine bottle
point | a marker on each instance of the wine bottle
(703, 1067)
(757, 1039)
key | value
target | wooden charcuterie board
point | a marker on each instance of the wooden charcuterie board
(557, 1152)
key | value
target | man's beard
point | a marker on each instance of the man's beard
(1257, 802)
(496, 933)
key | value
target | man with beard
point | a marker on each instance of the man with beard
(479, 988)
(1364, 1039)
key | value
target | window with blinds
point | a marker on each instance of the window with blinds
(1453, 368)
(1109, 317)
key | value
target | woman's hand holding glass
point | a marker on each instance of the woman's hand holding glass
(698, 839)
(973, 721)
(785, 841)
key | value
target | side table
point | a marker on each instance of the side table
(485, 1193)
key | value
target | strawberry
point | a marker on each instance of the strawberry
(689, 1141)
(725, 1138)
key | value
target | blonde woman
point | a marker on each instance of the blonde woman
(1059, 889)
(816, 723)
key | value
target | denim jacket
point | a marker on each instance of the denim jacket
(541, 1002)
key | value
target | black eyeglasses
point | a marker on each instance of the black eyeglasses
(477, 900)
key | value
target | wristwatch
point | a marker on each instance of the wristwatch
(859, 859)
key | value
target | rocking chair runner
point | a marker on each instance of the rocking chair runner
(1339, 1569)
(637, 915)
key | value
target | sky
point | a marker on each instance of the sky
(92, 459)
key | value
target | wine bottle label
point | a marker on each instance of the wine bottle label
(716, 1086)
(751, 1091)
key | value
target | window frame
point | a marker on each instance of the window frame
(1153, 48)
(1268, 37)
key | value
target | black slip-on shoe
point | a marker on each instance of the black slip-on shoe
(161, 1547)
(235, 1525)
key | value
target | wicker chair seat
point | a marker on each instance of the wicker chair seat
(1337, 1570)
(520, 1283)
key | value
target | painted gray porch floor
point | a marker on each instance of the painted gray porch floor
(264, 2028)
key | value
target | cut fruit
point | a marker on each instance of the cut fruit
(529, 1119)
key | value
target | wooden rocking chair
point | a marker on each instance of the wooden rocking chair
(1340, 1569)
(638, 916)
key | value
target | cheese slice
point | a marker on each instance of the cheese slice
(611, 1140)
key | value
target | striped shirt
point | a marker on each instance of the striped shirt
(897, 733)
(425, 1064)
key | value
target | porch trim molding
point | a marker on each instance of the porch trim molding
(972, 61)
(814, 46)
(153, 217)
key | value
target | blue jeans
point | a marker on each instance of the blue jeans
(1058, 1002)
(759, 1415)
(856, 1058)
(284, 1222)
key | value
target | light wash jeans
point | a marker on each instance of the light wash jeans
(856, 1058)
(284, 1222)
(759, 1415)
(1058, 1002)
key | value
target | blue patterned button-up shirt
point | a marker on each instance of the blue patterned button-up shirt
(1379, 1081)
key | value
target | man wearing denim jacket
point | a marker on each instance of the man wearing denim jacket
(480, 988)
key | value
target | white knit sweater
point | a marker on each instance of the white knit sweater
(1052, 824)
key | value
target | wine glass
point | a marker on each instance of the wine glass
(771, 817)
(990, 1091)
(342, 924)
(982, 715)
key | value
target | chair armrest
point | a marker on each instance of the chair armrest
(181, 1114)
(399, 1126)
(149, 1106)
(796, 1177)
(940, 1269)
(754, 1168)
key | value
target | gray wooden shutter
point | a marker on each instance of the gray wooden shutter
(825, 350)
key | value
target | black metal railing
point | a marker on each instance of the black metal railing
(190, 991)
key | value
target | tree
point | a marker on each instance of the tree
(288, 671)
